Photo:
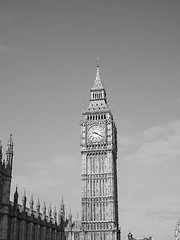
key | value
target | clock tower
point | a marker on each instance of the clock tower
(99, 167)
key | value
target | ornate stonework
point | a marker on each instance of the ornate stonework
(19, 222)
(177, 231)
(99, 186)
(99, 168)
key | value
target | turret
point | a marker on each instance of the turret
(70, 218)
(50, 212)
(9, 152)
(62, 211)
(31, 204)
(6, 171)
(55, 215)
(24, 201)
(16, 195)
(38, 207)
(44, 210)
(1, 154)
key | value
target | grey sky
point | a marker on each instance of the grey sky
(48, 52)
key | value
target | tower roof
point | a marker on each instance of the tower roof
(10, 142)
(62, 203)
(98, 99)
(97, 82)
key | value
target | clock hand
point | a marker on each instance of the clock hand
(98, 134)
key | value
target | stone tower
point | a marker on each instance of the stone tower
(5, 185)
(99, 167)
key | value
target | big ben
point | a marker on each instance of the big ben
(99, 167)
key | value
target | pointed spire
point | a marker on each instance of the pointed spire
(1, 154)
(62, 210)
(24, 200)
(50, 211)
(16, 195)
(97, 69)
(70, 216)
(62, 202)
(38, 206)
(55, 214)
(97, 82)
(44, 209)
(9, 151)
(31, 203)
(10, 142)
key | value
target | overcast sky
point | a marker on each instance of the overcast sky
(48, 52)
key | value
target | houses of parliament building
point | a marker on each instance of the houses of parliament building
(100, 220)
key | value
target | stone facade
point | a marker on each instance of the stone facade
(99, 171)
(18, 222)
(99, 167)
(100, 220)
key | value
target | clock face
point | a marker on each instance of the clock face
(96, 133)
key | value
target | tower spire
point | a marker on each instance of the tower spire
(16, 195)
(9, 151)
(97, 82)
(1, 154)
(62, 210)
(97, 93)
(97, 69)
(99, 136)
